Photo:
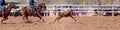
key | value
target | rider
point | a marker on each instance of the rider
(2, 3)
(31, 3)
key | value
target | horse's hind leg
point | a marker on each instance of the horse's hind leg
(25, 17)
(73, 18)
(27, 20)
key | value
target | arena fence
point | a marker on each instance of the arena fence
(89, 9)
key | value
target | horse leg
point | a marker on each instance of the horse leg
(15, 14)
(27, 20)
(39, 16)
(40, 19)
(4, 18)
(34, 14)
(73, 18)
(43, 20)
(25, 17)
(57, 19)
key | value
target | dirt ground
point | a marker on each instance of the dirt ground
(66, 23)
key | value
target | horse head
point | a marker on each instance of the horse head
(43, 5)
(12, 5)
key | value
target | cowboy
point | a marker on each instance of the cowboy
(2, 3)
(31, 3)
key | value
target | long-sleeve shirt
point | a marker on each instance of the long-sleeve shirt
(2, 2)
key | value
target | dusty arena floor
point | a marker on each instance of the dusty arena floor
(82, 23)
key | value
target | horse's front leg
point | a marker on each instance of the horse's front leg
(5, 17)
(73, 18)
(71, 13)
(40, 17)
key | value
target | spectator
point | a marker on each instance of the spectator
(55, 10)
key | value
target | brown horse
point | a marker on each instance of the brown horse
(7, 12)
(0, 13)
(26, 11)
(67, 13)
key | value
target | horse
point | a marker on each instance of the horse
(67, 13)
(0, 13)
(27, 11)
(7, 12)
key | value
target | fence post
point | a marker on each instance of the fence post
(112, 11)
(112, 7)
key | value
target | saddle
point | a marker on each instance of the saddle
(33, 9)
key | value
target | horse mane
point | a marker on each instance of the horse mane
(42, 4)
(9, 7)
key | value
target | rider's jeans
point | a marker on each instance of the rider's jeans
(33, 7)
(2, 8)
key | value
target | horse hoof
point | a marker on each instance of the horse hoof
(38, 20)
(52, 22)
(75, 20)
(28, 22)
(41, 20)
(4, 23)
